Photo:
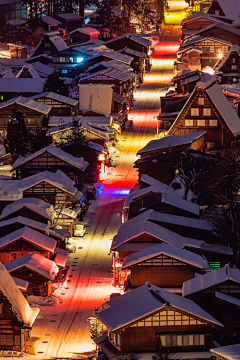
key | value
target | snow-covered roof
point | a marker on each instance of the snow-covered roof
(36, 263)
(50, 20)
(129, 230)
(29, 103)
(21, 85)
(230, 352)
(21, 284)
(112, 73)
(144, 301)
(65, 120)
(115, 56)
(57, 97)
(212, 278)
(37, 205)
(70, 16)
(176, 201)
(181, 220)
(11, 190)
(20, 306)
(78, 163)
(171, 141)
(43, 69)
(231, 8)
(227, 298)
(86, 30)
(87, 127)
(60, 257)
(30, 235)
(165, 249)
(225, 109)
(31, 223)
(29, 67)
(159, 188)
(133, 52)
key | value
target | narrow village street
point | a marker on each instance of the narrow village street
(61, 331)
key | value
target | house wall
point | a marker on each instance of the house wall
(38, 285)
(27, 213)
(19, 248)
(58, 108)
(163, 276)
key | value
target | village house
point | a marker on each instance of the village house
(163, 265)
(37, 270)
(50, 158)
(50, 23)
(150, 317)
(17, 317)
(214, 291)
(35, 71)
(81, 35)
(35, 113)
(13, 224)
(167, 144)
(106, 56)
(228, 68)
(208, 110)
(60, 105)
(69, 61)
(50, 44)
(70, 21)
(31, 208)
(56, 188)
(199, 20)
(23, 241)
(229, 352)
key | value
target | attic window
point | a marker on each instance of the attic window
(201, 101)
(234, 60)
(207, 112)
(194, 111)
(234, 67)
(188, 122)
(216, 12)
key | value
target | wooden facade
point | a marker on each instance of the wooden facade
(201, 114)
(229, 68)
(32, 119)
(19, 248)
(13, 334)
(39, 285)
(47, 161)
(49, 193)
(58, 108)
(27, 213)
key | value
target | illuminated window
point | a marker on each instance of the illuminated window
(194, 112)
(234, 60)
(200, 101)
(71, 59)
(79, 59)
(210, 145)
(213, 122)
(234, 67)
(188, 122)
(64, 71)
(62, 59)
(201, 122)
(207, 112)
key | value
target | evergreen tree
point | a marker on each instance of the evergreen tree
(55, 84)
(17, 140)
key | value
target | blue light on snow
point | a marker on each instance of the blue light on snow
(121, 192)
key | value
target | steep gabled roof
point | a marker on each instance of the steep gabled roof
(78, 163)
(210, 279)
(37, 205)
(51, 95)
(28, 67)
(40, 240)
(144, 301)
(230, 352)
(20, 307)
(218, 99)
(36, 263)
(235, 48)
(168, 250)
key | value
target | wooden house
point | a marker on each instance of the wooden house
(215, 291)
(163, 265)
(195, 140)
(17, 317)
(81, 35)
(12, 224)
(130, 41)
(208, 110)
(31, 208)
(24, 241)
(37, 270)
(70, 61)
(226, 352)
(200, 51)
(107, 56)
(199, 20)
(35, 114)
(56, 188)
(147, 317)
(60, 105)
(122, 81)
(183, 83)
(70, 21)
(50, 44)
(228, 68)
(50, 23)
(50, 158)
(216, 9)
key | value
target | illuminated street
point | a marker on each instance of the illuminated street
(61, 331)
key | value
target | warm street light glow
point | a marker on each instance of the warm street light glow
(220, 55)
